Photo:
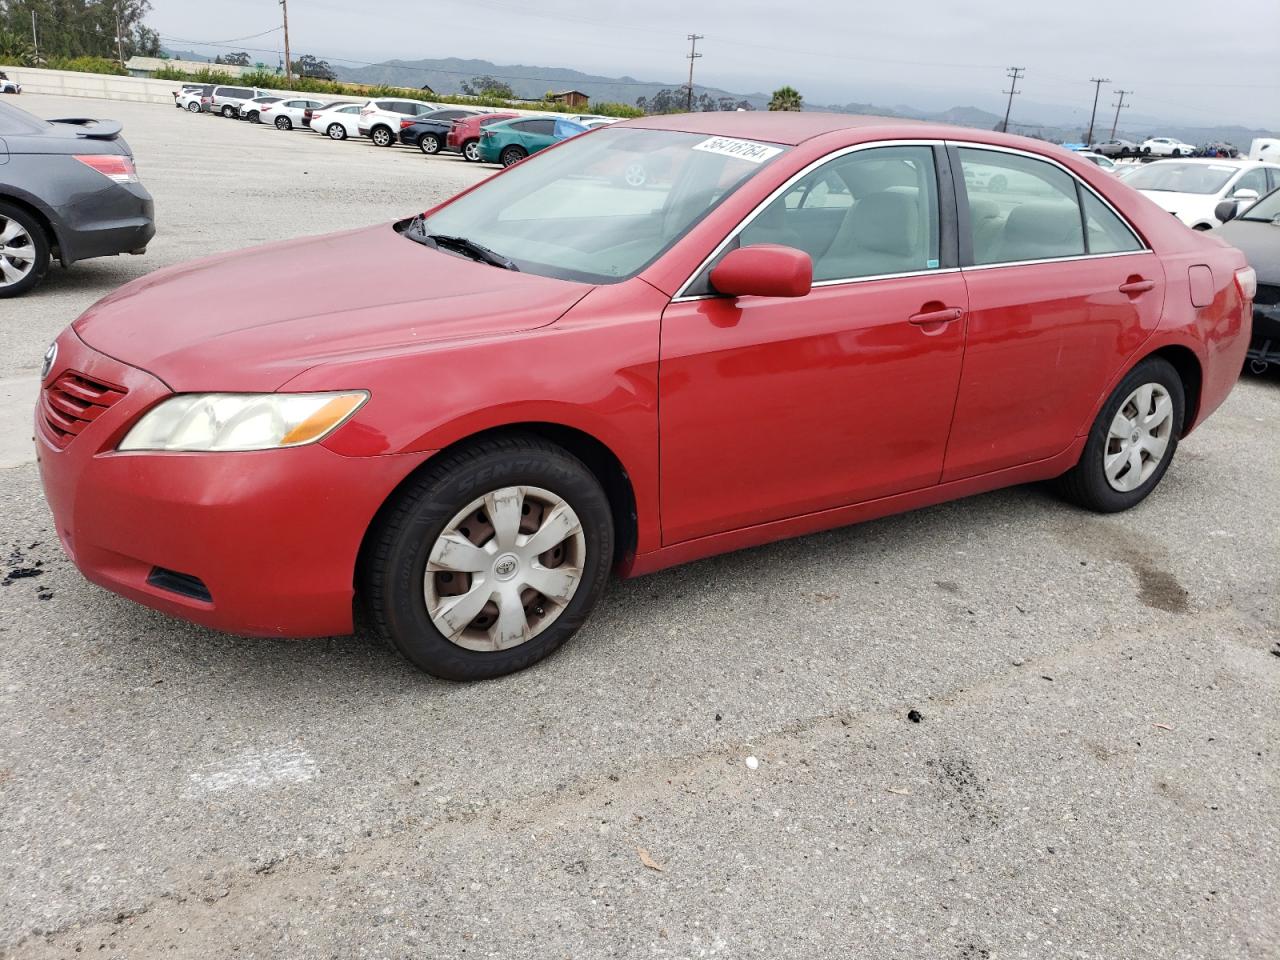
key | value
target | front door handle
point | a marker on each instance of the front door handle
(931, 317)
(1137, 286)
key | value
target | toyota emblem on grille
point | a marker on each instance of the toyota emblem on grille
(50, 357)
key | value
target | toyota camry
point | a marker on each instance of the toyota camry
(807, 321)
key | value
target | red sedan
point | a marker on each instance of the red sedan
(807, 321)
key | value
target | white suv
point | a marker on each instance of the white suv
(227, 100)
(380, 118)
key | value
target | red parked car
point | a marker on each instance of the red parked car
(817, 319)
(464, 136)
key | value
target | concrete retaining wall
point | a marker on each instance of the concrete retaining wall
(68, 83)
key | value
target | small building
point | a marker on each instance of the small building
(571, 98)
(426, 88)
(150, 66)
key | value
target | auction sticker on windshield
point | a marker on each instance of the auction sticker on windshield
(747, 150)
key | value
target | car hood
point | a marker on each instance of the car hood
(254, 319)
(1181, 202)
(1259, 241)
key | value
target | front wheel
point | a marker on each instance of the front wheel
(490, 559)
(429, 144)
(381, 137)
(228, 111)
(1132, 441)
(512, 155)
(337, 131)
(284, 123)
(471, 151)
(24, 251)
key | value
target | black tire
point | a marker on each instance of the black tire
(1177, 153)
(336, 131)
(471, 151)
(382, 137)
(393, 563)
(429, 144)
(1086, 483)
(253, 116)
(228, 111)
(512, 155)
(284, 123)
(40, 245)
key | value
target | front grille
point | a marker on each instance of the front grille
(1268, 295)
(72, 402)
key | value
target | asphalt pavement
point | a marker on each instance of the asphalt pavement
(998, 728)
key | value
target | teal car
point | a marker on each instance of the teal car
(511, 141)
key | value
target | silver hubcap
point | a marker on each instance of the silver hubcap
(17, 252)
(472, 151)
(504, 568)
(1138, 437)
(337, 132)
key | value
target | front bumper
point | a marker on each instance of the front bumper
(272, 536)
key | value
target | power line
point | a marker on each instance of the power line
(1097, 89)
(1119, 106)
(692, 56)
(1014, 74)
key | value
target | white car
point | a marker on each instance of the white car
(1191, 189)
(9, 86)
(1167, 147)
(337, 123)
(251, 110)
(380, 118)
(287, 114)
(1098, 160)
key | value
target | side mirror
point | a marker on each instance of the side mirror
(1225, 211)
(764, 270)
(1245, 193)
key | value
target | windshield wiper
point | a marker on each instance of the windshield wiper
(415, 230)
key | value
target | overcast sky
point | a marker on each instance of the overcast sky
(1186, 60)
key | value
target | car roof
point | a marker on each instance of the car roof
(1239, 164)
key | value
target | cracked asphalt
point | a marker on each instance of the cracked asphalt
(1093, 773)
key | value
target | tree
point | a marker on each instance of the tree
(16, 49)
(240, 59)
(82, 28)
(786, 98)
(487, 86)
(309, 66)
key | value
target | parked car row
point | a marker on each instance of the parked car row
(1162, 147)
(477, 135)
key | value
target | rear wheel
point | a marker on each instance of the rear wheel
(429, 144)
(193, 108)
(381, 136)
(284, 123)
(1132, 442)
(337, 131)
(490, 559)
(471, 151)
(24, 251)
(512, 155)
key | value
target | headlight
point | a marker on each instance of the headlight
(242, 421)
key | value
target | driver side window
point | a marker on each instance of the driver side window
(868, 213)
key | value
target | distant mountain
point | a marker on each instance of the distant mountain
(528, 82)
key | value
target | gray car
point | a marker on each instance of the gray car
(1255, 232)
(68, 189)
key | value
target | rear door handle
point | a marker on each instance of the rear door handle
(949, 315)
(1137, 286)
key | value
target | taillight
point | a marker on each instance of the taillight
(1247, 281)
(406, 124)
(365, 113)
(264, 110)
(112, 165)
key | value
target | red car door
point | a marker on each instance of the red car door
(1057, 301)
(772, 408)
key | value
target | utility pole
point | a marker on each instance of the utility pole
(692, 55)
(1119, 106)
(119, 36)
(288, 64)
(1097, 88)
(1015, 74)
(34, 41)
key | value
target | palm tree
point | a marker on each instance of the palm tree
(786, 98)
(16, 50)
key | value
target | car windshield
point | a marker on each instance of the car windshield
(605, 204)
(1268, 208)
(1204, 178)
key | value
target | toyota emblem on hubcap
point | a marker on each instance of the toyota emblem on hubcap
(506, 566)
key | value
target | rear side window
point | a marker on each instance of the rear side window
(1020, 208)
(485, 121)
(388, 105)
(1106, 232)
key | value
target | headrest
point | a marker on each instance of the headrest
(887, 223)
(980, 210)
(1044, 224)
